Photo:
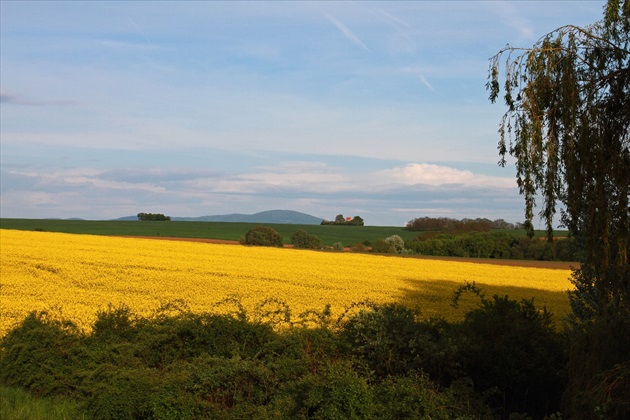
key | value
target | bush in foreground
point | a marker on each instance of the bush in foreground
(380, 363)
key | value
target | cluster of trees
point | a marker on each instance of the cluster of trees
(378, 362)
(459, 226)
(267, 236)
(347, 221)
(263, 236)
(393, 244)
(498, 245)
(155, 217)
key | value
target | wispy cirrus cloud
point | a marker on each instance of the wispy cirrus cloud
(397, 21)
(510, 15)
(347, 32)
(420, 75)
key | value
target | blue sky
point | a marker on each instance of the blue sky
(377, 109)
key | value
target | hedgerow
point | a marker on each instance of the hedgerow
(379, 361)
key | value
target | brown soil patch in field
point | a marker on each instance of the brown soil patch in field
(171, 238)
(557, 265)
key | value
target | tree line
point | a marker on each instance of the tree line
(499, 245)
(154, 217)
(459, 226)
(345, 221)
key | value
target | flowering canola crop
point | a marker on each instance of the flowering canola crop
(81, 274)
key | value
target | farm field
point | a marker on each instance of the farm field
(329, 235)
(76, 275)
(209, 230)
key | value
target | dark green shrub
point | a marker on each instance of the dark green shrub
(303, 239)
(41, 355)
(381, 246)
(599, 353)
(114, 323)
(384, 337)
(263, 236)
(512, 353)
(358, 247)
(169, 339)
(390, 340)
(120, 393)
(227, 382)
(303, 350)
(337, 246)
(334, 391)
(414, 396)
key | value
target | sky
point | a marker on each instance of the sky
(368, 108)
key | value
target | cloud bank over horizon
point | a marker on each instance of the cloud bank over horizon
(309, 186)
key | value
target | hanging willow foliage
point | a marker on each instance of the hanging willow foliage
(567, 125)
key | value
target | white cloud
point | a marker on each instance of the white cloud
(385, 197)
(429, 174)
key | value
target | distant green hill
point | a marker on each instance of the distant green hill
(270, 216)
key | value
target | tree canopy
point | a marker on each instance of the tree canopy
(156, 217)
(567, 126)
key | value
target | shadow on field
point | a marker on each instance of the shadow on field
(435, 299)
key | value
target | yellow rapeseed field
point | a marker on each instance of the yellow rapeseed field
(76, 275)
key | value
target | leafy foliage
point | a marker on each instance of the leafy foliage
(155, 217)
(494, 245)
(303, 239)
(382, 363)
(263, 236)
(379, 246)
(345, 221)
(568, 126)
(456, 226)
(513, 354)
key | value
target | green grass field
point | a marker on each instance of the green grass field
(329, 234)
(17, 404)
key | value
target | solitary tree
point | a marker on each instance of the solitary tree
(567, 125)
(263, 236)
(303, 239)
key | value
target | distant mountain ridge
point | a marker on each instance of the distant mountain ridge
(269, 216)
